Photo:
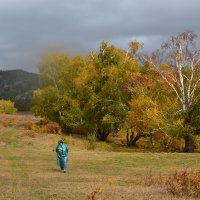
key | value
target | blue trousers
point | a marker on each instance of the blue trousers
(63, 163)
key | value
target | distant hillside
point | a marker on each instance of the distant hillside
(18, 86)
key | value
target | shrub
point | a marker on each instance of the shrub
(105, 146)
(79, 131)
(168, 143)
(7, 107)
(184, 183)
(197, 142)
(36, 128)
(95, 193)
(91, 142)
(52, 127)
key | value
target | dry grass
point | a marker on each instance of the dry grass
(28, 169)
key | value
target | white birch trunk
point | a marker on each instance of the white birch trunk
(184, 68)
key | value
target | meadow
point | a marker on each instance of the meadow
(28, 167)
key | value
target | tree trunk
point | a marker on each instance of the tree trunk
(136, 138)
(102, 134)
(189, 144)
(131, 140)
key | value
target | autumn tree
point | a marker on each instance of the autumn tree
(87, 91)
(178, 63)
(108, 104)
(56, 99)
(150, 105)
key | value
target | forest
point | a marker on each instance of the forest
(114, 90)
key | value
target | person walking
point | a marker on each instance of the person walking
(62, 155)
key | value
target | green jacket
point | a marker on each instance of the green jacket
(62, 151)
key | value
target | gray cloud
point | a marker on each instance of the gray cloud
(30, 27)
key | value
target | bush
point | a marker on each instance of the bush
(91, 142)
(169, 143)
(7, 107)
(79, 131)
(52, 127)
(184, 183)
(36, 128)
(105, 146)
(95, 193)
(197, 142)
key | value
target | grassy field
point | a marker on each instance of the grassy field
(28, 168)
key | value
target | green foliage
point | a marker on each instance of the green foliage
(71, 114)
(57, 100)
(108, 104)
(7, 107)
(44, 103)
(91, 145)
(108, 90)
(86, 92)
(194, 114)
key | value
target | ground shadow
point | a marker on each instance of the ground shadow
(55, 170)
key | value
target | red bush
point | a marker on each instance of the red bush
(184, 183)
(52, 127)
(79, 131)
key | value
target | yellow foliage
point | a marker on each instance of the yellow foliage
(144, 114)
(7, 107)
(84, 75)
(36, 128)
(179, 122)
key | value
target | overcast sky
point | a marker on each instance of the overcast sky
(28, 28)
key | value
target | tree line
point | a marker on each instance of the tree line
(114, 89)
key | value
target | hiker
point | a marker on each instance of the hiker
(62, 155)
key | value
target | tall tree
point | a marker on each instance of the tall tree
(111, 71)
(151, 104)
(56, 100)
(178, 63)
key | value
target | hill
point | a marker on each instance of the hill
(18, 86)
